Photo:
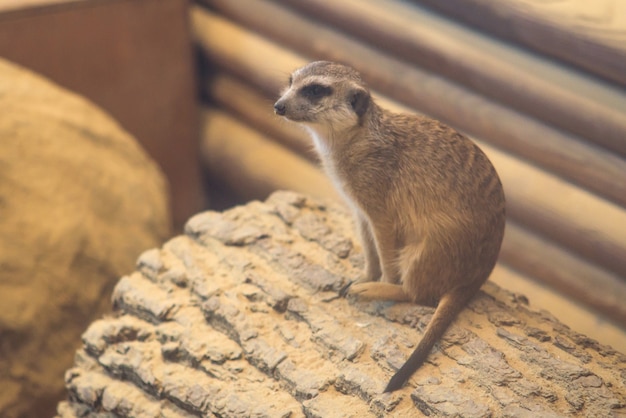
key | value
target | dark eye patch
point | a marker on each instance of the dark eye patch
(315, 91)
(290, 80)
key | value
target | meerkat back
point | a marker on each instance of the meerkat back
(428, 205)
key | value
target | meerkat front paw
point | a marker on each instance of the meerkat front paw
(363, 290)
(379, 291)
(363, 279)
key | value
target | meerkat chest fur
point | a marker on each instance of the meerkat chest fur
(333, 159)
(322, 144)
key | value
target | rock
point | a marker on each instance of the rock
(258, 330)
(79, 201)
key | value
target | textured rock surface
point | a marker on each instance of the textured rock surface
(79, 200)
(240, 317)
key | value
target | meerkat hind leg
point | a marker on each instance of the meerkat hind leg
(409, 263)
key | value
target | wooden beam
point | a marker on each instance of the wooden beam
(601, 290)
(403, 31)
(253, 165)
(257, 109)
(570, 157)
(543, 202)
(595, 43)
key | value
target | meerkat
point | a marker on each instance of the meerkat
(428, 204)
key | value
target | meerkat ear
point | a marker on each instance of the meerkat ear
(359, 100)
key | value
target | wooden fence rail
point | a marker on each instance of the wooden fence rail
(594, 39)
(571, 157)
(403, 32)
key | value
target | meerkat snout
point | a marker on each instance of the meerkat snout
(429, 206)
(280, 108)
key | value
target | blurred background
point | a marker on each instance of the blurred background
(540, 86)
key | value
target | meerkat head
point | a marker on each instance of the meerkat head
(325, 94)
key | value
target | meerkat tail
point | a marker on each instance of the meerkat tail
(449, 306)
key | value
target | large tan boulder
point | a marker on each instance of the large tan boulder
(79, 200)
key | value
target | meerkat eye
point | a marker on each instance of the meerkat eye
(316, 91)
(290, 80)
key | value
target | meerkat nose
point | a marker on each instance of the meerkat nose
(280, 108)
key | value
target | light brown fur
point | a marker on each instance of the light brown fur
(428, 204)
